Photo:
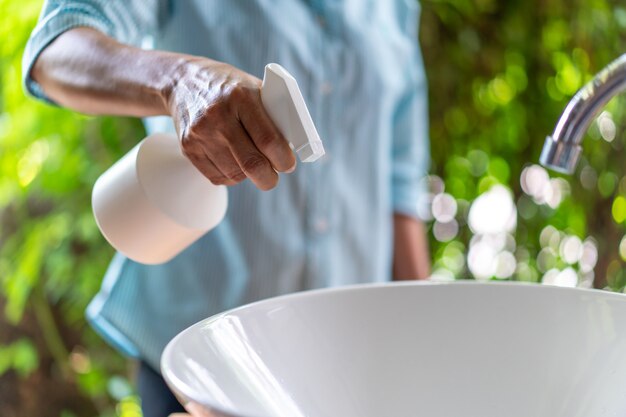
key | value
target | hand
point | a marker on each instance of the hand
(223, 126)
(197, 410)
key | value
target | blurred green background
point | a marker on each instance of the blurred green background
(500, 74)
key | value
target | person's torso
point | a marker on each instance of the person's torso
(329, 222)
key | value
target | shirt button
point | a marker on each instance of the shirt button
(321, 21)
(326, 88)
(321, 225)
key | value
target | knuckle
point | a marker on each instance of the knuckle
(215, 111)
(241, 96)
(191, 144)
(208, 119)
(267, 140)
(237, 176)
(241, 92)
(218, 179)
(254, 163)
(238, 94)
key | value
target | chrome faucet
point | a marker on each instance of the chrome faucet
(561, 151)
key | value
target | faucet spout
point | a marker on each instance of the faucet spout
(562, 149)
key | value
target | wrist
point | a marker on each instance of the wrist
(174, 71)
(187, 82)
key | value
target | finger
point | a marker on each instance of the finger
(218, 151)
(267, 137)
(251, 161)
(204, 164)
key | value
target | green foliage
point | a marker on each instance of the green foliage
(500, 74)
(20, 356)
(52, 257)
(129, 407)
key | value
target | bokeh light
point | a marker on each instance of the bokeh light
(432, 185)
(564, 278)
(546, 259)
(493, 212)
(444, 208)
(606, 125)
(444, 232)
(442, 275)
(480, 259)
(492, 218)
(571, 249)
(453, 257)
(550, 237)
(505, 264)
(589, 257)
(537, 184)
(588, 177)
(622, 248)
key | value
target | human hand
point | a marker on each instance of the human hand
(223, 126)
(197, 411)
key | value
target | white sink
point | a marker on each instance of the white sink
(394, 350)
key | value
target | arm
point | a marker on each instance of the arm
(411, 259)
(216, 108)
(410, 159)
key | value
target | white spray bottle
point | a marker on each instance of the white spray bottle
(153, 202)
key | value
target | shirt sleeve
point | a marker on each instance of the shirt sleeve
(128, 21)
(411, 148)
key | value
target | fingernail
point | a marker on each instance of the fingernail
(290, 170)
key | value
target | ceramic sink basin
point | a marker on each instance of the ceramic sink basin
(395, 350)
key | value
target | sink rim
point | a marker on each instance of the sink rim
(193, 396)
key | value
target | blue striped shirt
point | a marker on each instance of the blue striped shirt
(327, 224)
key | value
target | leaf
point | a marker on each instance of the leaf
(20, 356)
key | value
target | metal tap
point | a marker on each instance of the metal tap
(561, 151)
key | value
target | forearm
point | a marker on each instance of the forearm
(90, 72)
(411, 257)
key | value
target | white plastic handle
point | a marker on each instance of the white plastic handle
(283, 101)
